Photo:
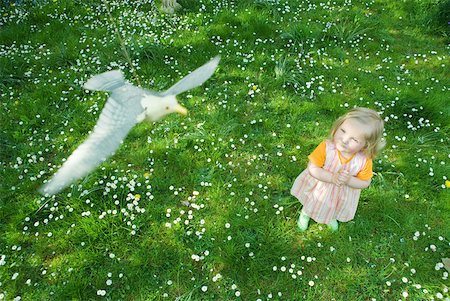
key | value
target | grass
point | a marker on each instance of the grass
(198, 207)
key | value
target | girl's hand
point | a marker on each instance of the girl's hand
(340, 178)
(335, 179)
(343, 176)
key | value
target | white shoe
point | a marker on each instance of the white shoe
(302, 222)
(333, 225)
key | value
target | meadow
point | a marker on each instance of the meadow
(197, 207)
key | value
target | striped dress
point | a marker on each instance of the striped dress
(323, 201)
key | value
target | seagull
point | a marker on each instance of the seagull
(126, 106)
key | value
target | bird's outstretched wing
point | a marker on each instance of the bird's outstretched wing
(113, 125)
(195, 78)
(106, 81)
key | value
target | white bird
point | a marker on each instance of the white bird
(126, 106)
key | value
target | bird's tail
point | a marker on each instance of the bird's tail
(107, 81)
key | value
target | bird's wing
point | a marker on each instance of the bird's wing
(195, 78)
(106, 81)
(113, 125)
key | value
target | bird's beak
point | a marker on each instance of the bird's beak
(180, 109)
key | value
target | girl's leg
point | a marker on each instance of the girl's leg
(333, 225)
(303, 221)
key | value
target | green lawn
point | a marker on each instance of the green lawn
(198, 207)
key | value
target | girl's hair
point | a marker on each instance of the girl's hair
(374, 138)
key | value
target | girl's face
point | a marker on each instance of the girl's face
(350, 137)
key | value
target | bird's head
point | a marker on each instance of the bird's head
(157, 108)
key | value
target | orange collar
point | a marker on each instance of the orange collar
(344, 160)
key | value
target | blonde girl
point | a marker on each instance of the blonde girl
(338, 169)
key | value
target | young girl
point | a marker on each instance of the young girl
(338, 169)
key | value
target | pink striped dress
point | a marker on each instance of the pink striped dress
(323, 201)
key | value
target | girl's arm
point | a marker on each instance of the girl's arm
(322, 175)
(325, 176)
(356, 183)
